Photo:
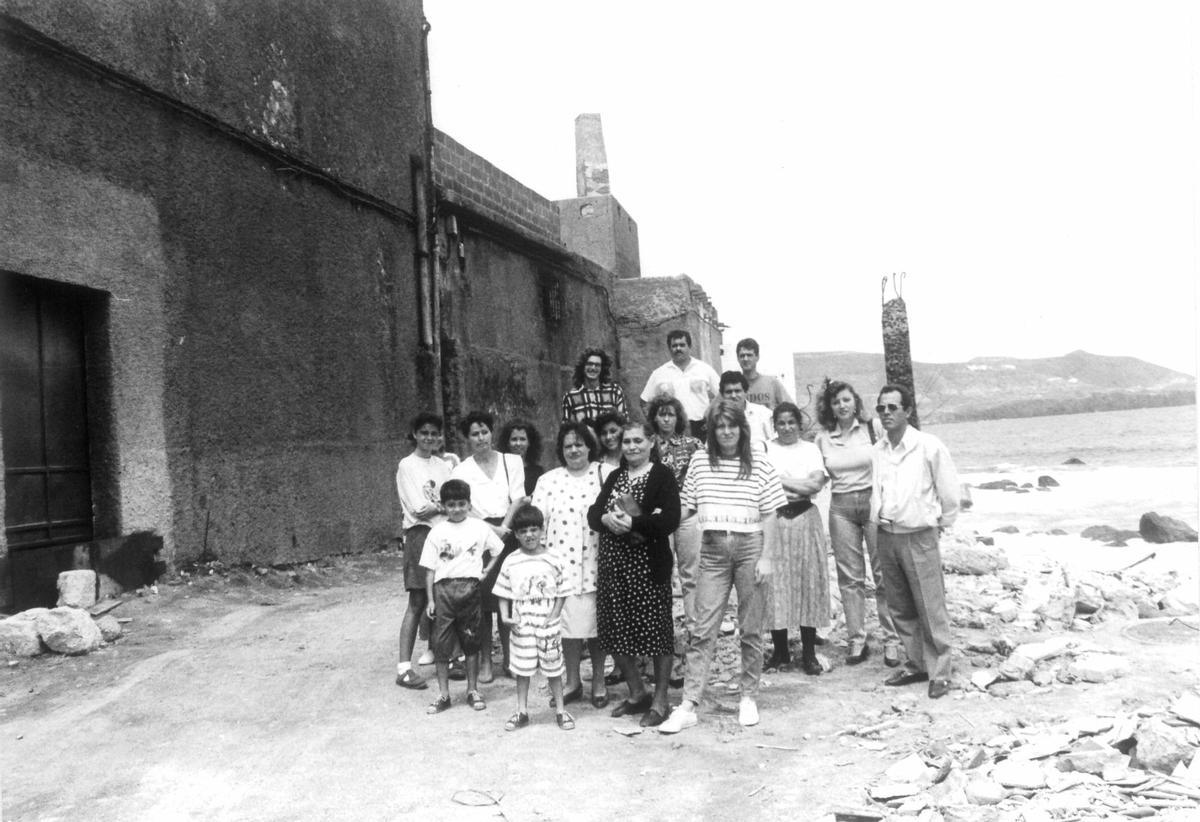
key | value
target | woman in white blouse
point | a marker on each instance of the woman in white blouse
(497, 488)
(800, 579)
(564, 495)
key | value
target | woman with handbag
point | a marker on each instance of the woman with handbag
(497, 490)
(635, 514)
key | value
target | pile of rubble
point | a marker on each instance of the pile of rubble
(77, 625)
(1130, 765)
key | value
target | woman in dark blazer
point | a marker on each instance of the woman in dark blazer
(635, 514)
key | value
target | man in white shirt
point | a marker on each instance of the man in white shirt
(763, 389)
(762, 429)
(914, 497)
(693, 382)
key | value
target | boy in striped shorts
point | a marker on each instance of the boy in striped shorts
(530, 603)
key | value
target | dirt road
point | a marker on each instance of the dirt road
(255, 701)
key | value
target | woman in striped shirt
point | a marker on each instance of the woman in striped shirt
(734, 492)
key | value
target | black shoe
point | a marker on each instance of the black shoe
(627, 708)
(615, 678)
(819, 640)
(906, 678)
(775, 661)
(811, 666)
(860, 657)
(652, 719)
(938, 688)
(675, 682)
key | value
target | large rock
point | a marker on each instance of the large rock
(1157, 528)
(984, 791)
(997, 485)
(1047, 481)
(1090, 756)
(1106, 533)
(974, 560)
(1160, 747)
(68, 631)
(77, 589)
(19, 634)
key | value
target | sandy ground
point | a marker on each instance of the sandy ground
(264, 698)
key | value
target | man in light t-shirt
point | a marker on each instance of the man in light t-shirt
(761, 388)
(693, 382)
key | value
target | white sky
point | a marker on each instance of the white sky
(1032, 166)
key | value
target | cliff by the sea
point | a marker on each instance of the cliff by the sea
(1005, 387)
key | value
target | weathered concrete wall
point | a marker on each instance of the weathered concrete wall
(517, 309)
(646, 309)
(598, 228)
(235, 178)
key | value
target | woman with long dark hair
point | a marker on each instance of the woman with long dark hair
(735, 492)
(845, 438)
(521, 438)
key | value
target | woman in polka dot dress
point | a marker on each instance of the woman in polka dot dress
(636, 513)
(564, 495)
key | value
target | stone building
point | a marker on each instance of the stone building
(235, 259)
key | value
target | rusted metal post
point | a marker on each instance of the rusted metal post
(897, 354)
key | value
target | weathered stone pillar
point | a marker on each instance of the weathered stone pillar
(897, 355)
(591, 162)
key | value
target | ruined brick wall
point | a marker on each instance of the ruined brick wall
(234, 181)
(517, 308)
(467, 179)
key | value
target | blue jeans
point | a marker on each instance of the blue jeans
(850, 527)
(727, 561)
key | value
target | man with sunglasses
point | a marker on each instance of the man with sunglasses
(914, 497)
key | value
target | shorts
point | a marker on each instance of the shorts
(456, 615)
(578, 616)
(414, 573)
(534, 647)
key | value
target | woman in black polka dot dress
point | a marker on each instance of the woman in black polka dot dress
(635, 514)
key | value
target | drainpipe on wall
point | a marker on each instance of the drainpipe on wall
(427, 269)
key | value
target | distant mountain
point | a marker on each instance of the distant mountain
(1003, 387)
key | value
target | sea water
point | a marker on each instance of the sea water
(1134, 462)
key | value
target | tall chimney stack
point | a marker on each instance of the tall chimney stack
(591, 163)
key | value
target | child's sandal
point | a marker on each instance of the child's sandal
(442, 703)
(476, 701)
(517, 720)
(566, 721)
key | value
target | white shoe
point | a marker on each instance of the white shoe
(747, 712)
(679, 719)
(425, 658)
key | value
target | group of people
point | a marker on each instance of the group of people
(715, 488)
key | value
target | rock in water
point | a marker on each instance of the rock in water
(68, 631)
(1106, 533)
(1154, 527)
(1006, 529)
(1047, 481)
(1073, 461)
(77, 589)
(996, 485)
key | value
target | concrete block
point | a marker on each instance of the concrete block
(77, 589)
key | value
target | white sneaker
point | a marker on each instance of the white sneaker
(747, 712)
(679, 719)
(425, 658)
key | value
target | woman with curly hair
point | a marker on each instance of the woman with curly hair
(595, 392)
(846, 437)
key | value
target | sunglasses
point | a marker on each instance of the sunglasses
(891, 408)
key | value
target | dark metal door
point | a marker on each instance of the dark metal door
(43, 400)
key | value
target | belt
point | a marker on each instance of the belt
(794, 509)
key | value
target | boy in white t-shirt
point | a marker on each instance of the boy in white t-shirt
(529, 590)
(457, 553)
